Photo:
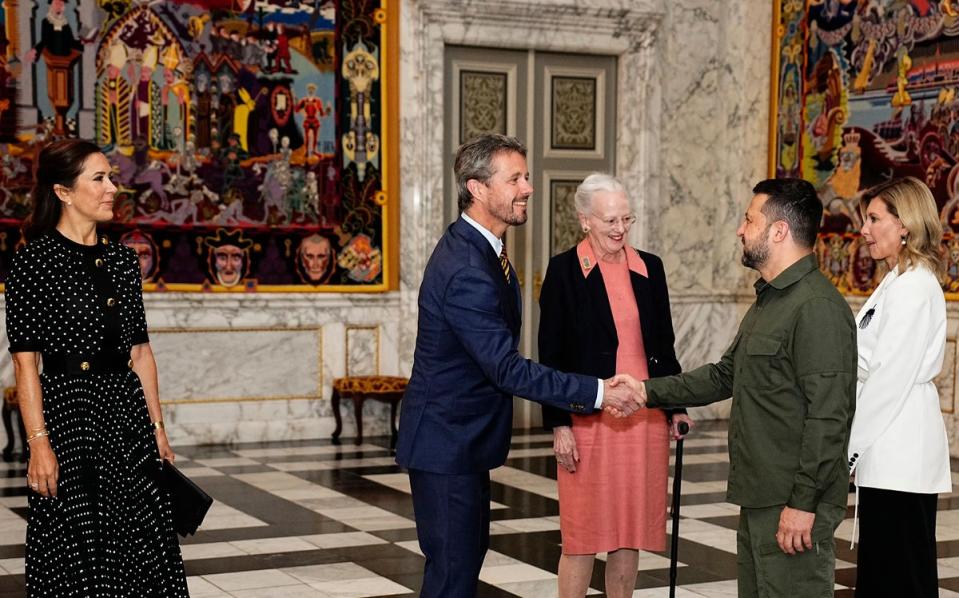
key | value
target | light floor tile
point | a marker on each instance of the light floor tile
(226, 462)
(361, 588)
(273, 545)
(201, 588)
(498, 559)
(14, 502)
(12, 566)
(664, 593)
(246, 580)
(300, 591)
(343, 540)
(221, 516)
(210, 550)
(304, 451)
(200, 472)
(518, 572)
(530, 524)
(716, 589)
(311, 574)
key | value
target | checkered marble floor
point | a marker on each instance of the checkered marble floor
(312, 519)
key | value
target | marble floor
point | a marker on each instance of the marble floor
(307, 518)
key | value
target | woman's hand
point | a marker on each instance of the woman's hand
(43, 471)
(163, 447)
(564, 446)
(674, 425)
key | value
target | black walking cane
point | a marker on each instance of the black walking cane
(677, 483)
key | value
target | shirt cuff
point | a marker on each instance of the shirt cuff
(599, 395)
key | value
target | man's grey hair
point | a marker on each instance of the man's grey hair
(473, 161)
(594, 183)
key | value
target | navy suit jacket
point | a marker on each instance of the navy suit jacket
(457, 412)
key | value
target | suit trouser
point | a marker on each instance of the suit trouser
(897, 544)
(452, 525)
(765, 571)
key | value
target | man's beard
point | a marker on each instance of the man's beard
(755, 257)
(508, 216)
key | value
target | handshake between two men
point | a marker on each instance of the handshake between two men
(623, 395)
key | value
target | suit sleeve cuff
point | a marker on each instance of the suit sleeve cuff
(599, 395)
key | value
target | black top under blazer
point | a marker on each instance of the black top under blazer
(576, 328)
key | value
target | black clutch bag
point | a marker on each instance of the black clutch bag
(190, 502)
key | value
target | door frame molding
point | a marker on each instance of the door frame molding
(428, 25)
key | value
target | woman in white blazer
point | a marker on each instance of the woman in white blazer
(898, 449)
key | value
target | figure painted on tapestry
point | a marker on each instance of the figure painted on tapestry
(228, 257)
(360, 144)
(315, 260)
(147, 254)
(114, 97)
(60, 50)
(313, 110)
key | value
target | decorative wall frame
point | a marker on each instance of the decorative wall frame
(254, 142)
(863, 92)
(574, 117)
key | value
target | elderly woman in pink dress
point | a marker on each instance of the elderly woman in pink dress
(605, 311)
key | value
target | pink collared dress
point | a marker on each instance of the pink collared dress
(617, 496)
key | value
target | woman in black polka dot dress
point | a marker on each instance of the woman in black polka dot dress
(99, 524)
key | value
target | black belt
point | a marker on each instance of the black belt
(58, 363)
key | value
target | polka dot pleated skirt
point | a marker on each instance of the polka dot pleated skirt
(109, 532)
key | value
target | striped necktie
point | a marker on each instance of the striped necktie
(504, 262)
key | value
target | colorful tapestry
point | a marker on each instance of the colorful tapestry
(248, 138)
(865, 91)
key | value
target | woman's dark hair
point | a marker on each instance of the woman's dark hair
(59, 163)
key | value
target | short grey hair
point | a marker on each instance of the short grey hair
(473, 160)
(594, 183)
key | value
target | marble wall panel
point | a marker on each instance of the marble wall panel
(241, 364)
(362, 350)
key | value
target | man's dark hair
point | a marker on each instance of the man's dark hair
(794, 201)
(473, 160)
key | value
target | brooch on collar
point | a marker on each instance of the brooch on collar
(586, 264)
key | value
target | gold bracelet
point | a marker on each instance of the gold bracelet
(36, 435)
(158, 425)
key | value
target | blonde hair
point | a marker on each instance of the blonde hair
(911, 201)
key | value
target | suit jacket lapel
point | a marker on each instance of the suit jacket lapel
(641, 290)
(509, 295)
(596, 291)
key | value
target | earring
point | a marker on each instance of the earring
(585, 229)
(903, 241)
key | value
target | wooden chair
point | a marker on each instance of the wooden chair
(387, 389)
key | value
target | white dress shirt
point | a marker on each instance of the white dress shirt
(899, 439)
(497, 244)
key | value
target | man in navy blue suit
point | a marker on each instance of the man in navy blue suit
(458, 408)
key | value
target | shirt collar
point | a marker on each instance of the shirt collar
(790, 275)
(587, 259)
(495, 242)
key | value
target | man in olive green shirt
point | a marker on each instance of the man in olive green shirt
(791, 371)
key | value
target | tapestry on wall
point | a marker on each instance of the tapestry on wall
(865, 91)
(247, 137)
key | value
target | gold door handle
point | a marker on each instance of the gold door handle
(537, 285)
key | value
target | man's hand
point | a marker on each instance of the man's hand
(623, 395)
(795, 530)
(674, 425)
(564, 446)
